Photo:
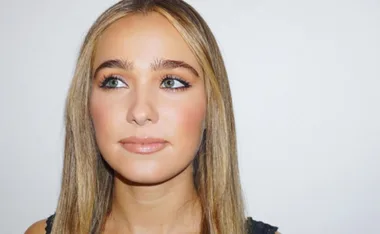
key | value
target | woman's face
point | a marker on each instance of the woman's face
(147, 84)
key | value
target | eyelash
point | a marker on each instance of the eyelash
(107, 78)
(185, 84)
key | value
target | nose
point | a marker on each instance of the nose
(142, 109)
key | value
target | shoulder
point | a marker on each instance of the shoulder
(259, 227)
(41, 227)
(37, 227)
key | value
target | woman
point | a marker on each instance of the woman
(150, 136)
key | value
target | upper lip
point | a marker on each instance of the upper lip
(142, 140)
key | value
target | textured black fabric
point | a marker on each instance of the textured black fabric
(258, 227)
(253, 227)
(49, 224)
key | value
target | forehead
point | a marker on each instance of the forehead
(142, 39)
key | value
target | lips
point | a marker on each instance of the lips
(146, 145)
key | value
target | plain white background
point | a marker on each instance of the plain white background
(305, 78)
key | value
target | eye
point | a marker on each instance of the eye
(169, 82)
(113, 82)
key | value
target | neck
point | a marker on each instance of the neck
(169, 207)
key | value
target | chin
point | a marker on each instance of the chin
(150, 169)
(147, 172)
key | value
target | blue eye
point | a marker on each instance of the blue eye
(169, 82)
(112, 82)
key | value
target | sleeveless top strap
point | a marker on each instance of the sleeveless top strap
(258, 227)
(252, 226)
(49, 224)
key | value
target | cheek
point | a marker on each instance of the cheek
(192, 118)
(106, 116)
(189, 119)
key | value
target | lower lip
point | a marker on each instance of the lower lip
(144, 148)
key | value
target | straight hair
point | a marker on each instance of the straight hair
(87, 181)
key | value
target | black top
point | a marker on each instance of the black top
(253, 227)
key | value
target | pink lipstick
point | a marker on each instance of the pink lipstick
(146, 145)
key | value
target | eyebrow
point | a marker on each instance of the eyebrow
(158, 64)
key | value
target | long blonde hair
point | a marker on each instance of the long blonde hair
(87, 180)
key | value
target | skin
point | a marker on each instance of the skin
(153, 193)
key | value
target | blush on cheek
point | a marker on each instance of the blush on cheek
(192, 120)
(98, 113)
(105, 116)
